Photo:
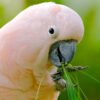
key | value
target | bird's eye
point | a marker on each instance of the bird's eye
(52, 32)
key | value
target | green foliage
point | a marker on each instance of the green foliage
(1, 10)
(31, 2)
(73, 93)
(1, 14)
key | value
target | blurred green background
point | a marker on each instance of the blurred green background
(88, 51)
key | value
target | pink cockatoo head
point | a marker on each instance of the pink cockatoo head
(29, 33)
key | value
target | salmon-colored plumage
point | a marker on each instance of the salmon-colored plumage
(24, 49)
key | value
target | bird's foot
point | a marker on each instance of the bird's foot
(60, 83)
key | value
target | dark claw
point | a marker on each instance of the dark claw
(57, 76)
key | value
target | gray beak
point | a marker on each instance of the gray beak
(62, 52)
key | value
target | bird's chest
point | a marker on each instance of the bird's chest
(34, 93)
(28, 88)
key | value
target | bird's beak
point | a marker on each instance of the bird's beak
(62, 52)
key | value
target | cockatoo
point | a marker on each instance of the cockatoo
(26, 43)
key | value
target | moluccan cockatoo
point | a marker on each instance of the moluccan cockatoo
(25, 45)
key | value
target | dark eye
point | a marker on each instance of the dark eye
(51, 31)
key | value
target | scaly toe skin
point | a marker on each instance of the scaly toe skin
(60, 84)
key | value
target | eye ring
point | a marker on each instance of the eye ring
(52, 32)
